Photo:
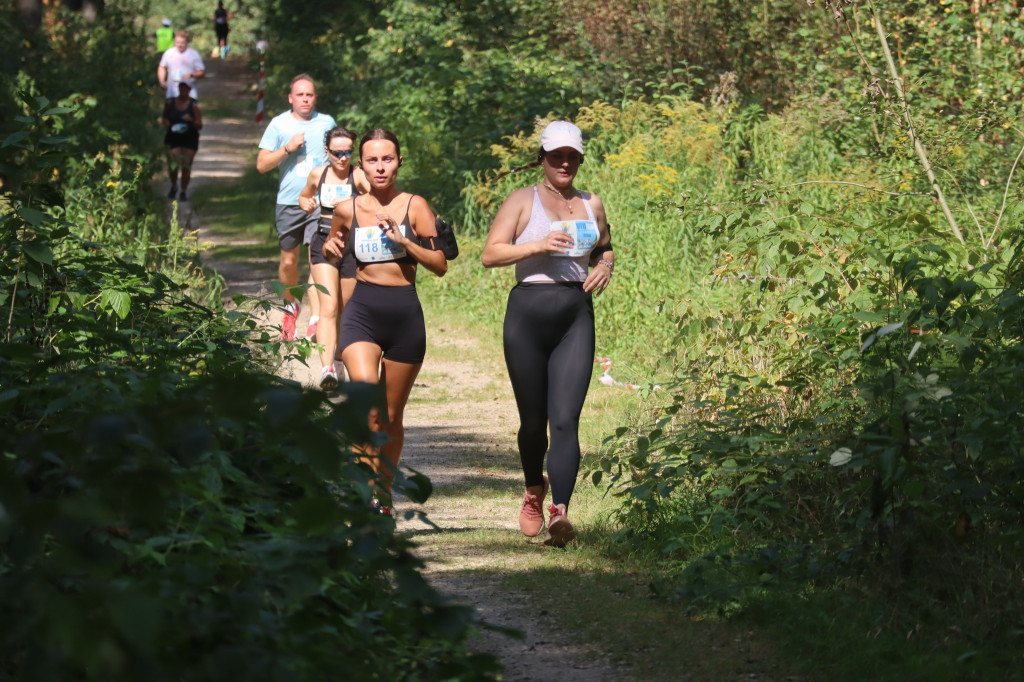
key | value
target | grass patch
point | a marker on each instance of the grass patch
(848, 633)
(609, 604)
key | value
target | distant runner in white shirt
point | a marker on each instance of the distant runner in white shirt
(180, 64)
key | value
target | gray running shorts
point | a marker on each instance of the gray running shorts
(294, 226)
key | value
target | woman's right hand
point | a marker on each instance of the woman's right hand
(307, 204)
(556, 241)
(334, 245)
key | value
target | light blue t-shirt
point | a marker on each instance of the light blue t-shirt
(296, 166)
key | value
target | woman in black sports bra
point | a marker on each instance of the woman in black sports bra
(383, 318)
(325, 187)
(183, 121)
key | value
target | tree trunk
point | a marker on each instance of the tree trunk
(31, 12)
(90, 9)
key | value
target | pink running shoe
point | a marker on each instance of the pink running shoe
(559, 528)
(531, 514)
(311, 330)
(288, 323)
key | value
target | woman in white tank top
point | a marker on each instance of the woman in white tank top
(557, 238)
(325, 187)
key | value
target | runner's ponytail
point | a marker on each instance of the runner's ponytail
(532, 164)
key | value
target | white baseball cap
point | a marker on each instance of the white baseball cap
(166, 22)
(560, 134)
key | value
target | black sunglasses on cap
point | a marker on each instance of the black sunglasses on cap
(340, 154)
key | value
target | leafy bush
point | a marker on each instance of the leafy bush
(82, 61)
(458, 77)
(185, 531)
(837, 413)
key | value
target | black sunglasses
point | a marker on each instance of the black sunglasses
(340, 154)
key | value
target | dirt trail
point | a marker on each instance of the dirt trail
(453, 435)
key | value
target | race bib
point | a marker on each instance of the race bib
(179, 128)
(303, 166)
(371, 246)
(584, 235)
(331, 194)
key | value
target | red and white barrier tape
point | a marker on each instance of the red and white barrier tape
(259, 97)
(606, 378)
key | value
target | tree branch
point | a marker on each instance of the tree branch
(922, 154)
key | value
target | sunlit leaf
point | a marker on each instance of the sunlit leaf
(117, 301)
(840, 457)
(888, 329)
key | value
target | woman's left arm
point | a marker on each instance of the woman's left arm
(422, 221)
(600, 275)
(197, 119)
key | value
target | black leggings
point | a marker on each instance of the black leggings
(549, 351)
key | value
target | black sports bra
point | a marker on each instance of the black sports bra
(404, 260)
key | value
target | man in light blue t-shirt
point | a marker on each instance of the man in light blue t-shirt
(294, 142)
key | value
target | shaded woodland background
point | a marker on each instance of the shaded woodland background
(816, 210)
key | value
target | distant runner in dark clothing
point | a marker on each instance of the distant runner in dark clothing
(221, 28)
(183, 121)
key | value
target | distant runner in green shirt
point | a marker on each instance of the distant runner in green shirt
(164, 37)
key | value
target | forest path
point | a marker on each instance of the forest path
(460, 431)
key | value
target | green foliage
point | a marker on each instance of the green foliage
(74, 62)
(450, 78)
(723, 49)
(870, 436)
(836, 410)
(183, 534)
(462, 77)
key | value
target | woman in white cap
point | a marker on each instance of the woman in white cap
(557, 237)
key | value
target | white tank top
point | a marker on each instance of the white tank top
(545, 267)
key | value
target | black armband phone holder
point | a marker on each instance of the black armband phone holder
(599, 251)
(444, 241)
